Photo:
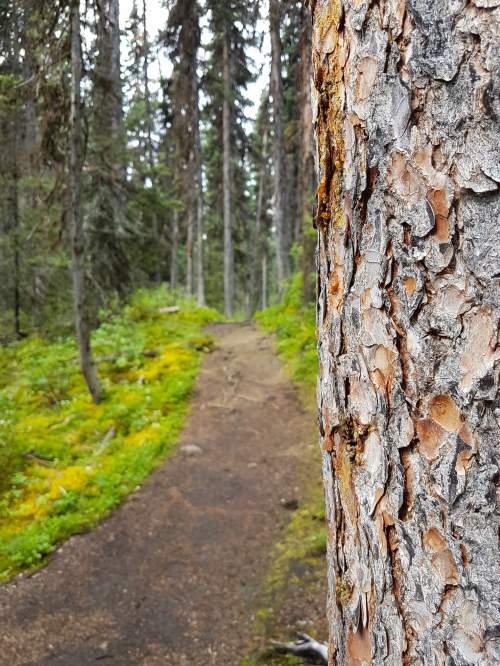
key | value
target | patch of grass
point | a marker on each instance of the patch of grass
(298, 561)
(294, 326)
(65, 462)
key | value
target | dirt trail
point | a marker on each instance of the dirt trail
(170, 576)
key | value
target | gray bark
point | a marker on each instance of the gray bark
(200, 276)
(174, 249)
(75, 214)
(149, 143)
(259, 245)
(190, 224)
(305, 176)
(107, 208)
(197, 165)
(282, 263)
(227, 183)
(263, 300)
(405, 105)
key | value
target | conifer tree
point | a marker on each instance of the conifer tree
(75, 166)
(107, 195)
(227, 75)
(182, 38)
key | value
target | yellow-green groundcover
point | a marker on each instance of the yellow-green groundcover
(65, 462)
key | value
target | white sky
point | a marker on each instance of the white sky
(156, 19)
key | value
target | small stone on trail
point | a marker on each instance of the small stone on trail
(290, 504)
(252, 464)
(191, 450)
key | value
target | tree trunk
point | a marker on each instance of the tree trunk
(227, 183)
(107, 212)
(191, 214)
(200, 276)
(405, 103)
(74, 211)
(259, 238)
(282, 266)
(305, 178)
(17, 161)
(149, 144)
(263, 300)
(174, 246)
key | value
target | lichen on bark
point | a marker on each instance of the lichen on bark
(406, 107)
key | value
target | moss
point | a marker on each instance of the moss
(67, 462)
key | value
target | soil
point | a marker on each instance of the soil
(172, 576)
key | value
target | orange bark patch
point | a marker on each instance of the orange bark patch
(479, 354)
(442, 233)
(410, 284)
(443, 410)
(442, 559)
(405, 181)
(430, 438)
(438, 200)
(359, 649)
(326, 19)
(445, 567)
(465, 434)
(343, 470)
(433, 540)
(328, 443)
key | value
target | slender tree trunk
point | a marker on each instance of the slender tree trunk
(149, 143)
(17, 150)
(107, 211)
(17, 261)
(282, 264)
(200, 276)
(263, 273)
(15, 222)
(305, 180)
(74, 211)
(174, 247)
(259, 237)
(227, 183)
(191, 215)
(408, 309)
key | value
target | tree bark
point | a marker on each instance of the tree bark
(149, 144)
(263, 300)
(200, 275)
(259, 237)
(107, 212)
(227, 183)
(174, 246)
(282, 263)
(405, 104)
(74, 211)
(305, 178)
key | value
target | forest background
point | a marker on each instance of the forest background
(185, 178)
(143, 144)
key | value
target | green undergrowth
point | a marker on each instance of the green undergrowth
(294, 327)
(65, 462)
(297, 572)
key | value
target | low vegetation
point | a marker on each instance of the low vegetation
(295, 328)
(64, 461)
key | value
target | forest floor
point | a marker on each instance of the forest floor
(178, 573)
